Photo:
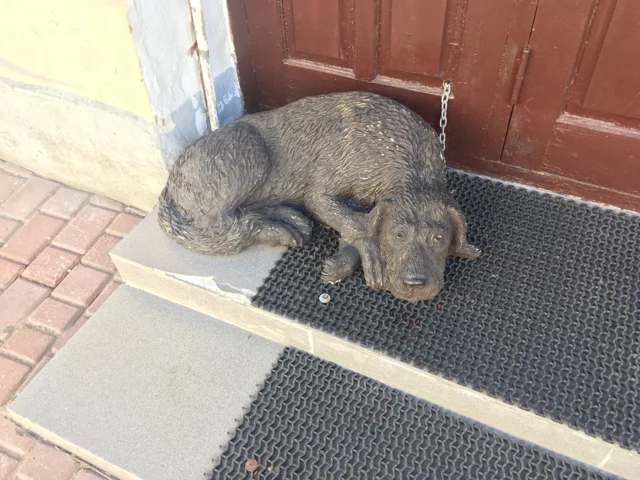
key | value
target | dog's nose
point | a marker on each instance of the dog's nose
(414, 281)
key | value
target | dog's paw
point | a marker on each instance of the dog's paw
(341, 265)
(469, 251)
(289, 216)
(296, 219)
(332, 274)
(279, 233)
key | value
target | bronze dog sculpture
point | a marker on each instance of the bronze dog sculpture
(359, 163)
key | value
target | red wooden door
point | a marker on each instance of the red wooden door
(574, 127)
(404, 49)
(578, 115)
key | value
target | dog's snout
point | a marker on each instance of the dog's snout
(414, 281)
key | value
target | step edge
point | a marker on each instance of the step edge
(75, 450)
(478, 407)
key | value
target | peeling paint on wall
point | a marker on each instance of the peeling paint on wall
(228, 96)
(222, 61)
(162, 33)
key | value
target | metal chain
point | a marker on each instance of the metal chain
(446, 93)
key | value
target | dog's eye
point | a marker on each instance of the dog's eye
(437, 239)
(400, 234)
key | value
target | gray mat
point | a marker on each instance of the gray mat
(547, 319)
(314, 420)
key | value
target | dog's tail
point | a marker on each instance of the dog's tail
(174, 219)
(193, 233)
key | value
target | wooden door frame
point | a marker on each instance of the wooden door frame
(244, 56)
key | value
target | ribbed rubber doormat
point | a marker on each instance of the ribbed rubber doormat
(547, 319)
(314, 420)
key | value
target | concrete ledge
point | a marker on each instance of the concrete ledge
(464, 401)
(82, 143)
(237, 277)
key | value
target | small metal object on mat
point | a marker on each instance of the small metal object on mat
(251, 465)
(316, 420)
(547, 319)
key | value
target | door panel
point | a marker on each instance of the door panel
(319, 30)
(578, 116)
(412, 37)
(614, 85)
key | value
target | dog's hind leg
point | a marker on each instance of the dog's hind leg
(227, 233)
(204, 205)
(287, 215)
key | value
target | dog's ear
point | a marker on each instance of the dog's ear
(459, 246)
(377, 214)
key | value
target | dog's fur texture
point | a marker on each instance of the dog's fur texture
(357, 162)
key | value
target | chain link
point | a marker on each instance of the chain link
(446, 93)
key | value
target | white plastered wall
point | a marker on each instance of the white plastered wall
(104, 95)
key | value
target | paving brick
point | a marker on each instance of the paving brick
(64, 203)
(13, 438)
(105, 202)
(51, 266)
(7, 466)
(28, 198)
(11, 375)
(84, 229)
(81, 286)
(31, 239)
(14, 169)
(64, 338)
(17, 301)
(106, 293)
(36, 370)
(45, 462)
(7, 227)
(123, 224)
(9, 271)
(8, 185)
(98, 257)
(88, 474)
(28, 345)
(54, 316)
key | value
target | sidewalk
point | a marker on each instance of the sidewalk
(55, 272)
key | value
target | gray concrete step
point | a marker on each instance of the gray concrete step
(222, 287)
(151, 390)
(147, 388)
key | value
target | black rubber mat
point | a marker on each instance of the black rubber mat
(314, 420)
(547, 319)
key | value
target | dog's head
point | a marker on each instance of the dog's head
(415, 236)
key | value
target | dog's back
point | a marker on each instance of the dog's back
(354, 143)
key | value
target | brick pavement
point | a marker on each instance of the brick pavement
(55, 272)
